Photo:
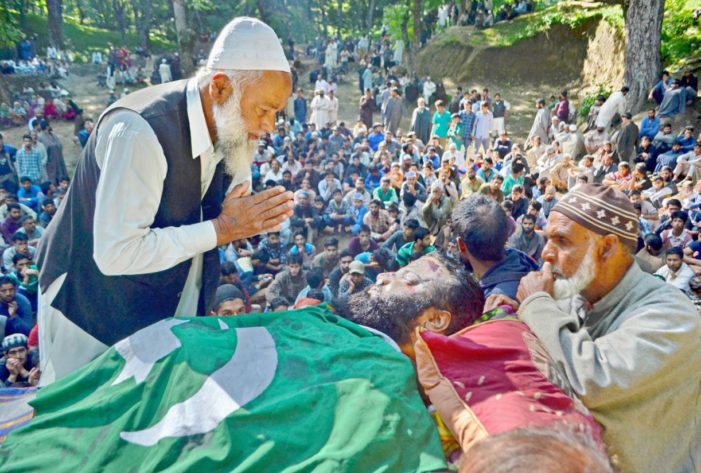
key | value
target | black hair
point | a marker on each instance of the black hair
(315, 277)
(228, 268)
(19, 236)
(681, 215)
(294, 259)
(364, 229)
(25, 179)
(7, 280)
(316, 294)
(528, 217)
(19, 256)
(331, 241)
(654, 241)
(344, 254)
(278, 301)
(412, 223)
(386, 259)
(675, 250)
(13, 206)
(483, 225)
(536, 205)
(420, 233)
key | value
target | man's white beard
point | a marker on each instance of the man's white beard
(233, 146)
(580, 280)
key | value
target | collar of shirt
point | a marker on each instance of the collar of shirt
(199, 134)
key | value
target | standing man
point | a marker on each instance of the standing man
(146, 211)
(441, 123)
(421, 121)
(627, 139)
(482, 127)
(29, 161)
(300, 107)
(541, 124)
(393, 111)
(500, 110)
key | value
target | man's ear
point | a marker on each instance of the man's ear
(220, 88)
(610, 247)
(438, 321)
(462, 247)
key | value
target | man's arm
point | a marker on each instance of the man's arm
(132, 171)
(615, 366)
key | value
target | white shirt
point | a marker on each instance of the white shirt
(680, 279)
(133, 168)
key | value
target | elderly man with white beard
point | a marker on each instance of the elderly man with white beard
(627, 341)
(136, 239)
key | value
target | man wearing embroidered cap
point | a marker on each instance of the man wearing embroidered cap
(136, 238)
(627, 341)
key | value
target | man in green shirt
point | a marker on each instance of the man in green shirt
(441, 123)
(385, 192)
(515, 178)
(416, 249)
(493, 189)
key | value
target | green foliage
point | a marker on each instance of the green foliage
(586, 103)
(10, 33)
(681, 35)
(395, 17)
(81, 38)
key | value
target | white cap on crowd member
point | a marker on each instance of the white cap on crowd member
(356, 267)
(247, 44)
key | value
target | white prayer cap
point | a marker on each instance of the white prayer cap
(247, 44)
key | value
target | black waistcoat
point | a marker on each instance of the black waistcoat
(112, 307)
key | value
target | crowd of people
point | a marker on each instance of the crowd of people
(371, 199)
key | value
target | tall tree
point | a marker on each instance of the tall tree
(642, 57)
(186, 37)
(55, 10)
(143, 14)
(118, 6)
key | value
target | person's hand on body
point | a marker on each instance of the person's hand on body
(245, 215)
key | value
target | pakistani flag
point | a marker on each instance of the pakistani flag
(302, 391)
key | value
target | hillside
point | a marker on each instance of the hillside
(574, 44)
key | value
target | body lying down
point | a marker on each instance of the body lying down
(305, 390)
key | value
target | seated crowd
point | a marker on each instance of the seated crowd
(381, 213)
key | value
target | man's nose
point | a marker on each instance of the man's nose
(548, 253)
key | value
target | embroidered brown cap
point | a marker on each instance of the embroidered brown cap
(602, 210)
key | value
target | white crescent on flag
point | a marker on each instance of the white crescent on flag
(243, 378)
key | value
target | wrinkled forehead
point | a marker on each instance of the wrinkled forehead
(563, 228)
(428, 268)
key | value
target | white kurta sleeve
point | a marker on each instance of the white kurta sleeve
(133, 168)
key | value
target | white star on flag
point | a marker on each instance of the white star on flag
(629, 226)
(585, 206)
(615, 220)
(601, 213)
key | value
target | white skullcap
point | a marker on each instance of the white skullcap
(247, 44)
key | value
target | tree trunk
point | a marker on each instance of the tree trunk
(81, 14)
(339, 15)
(186, 37)
(371, 13)
(119, 18)
(55, 8)
(413, 49)
(143, 12)
(642, 58)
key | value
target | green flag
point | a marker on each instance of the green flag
(293, 392)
